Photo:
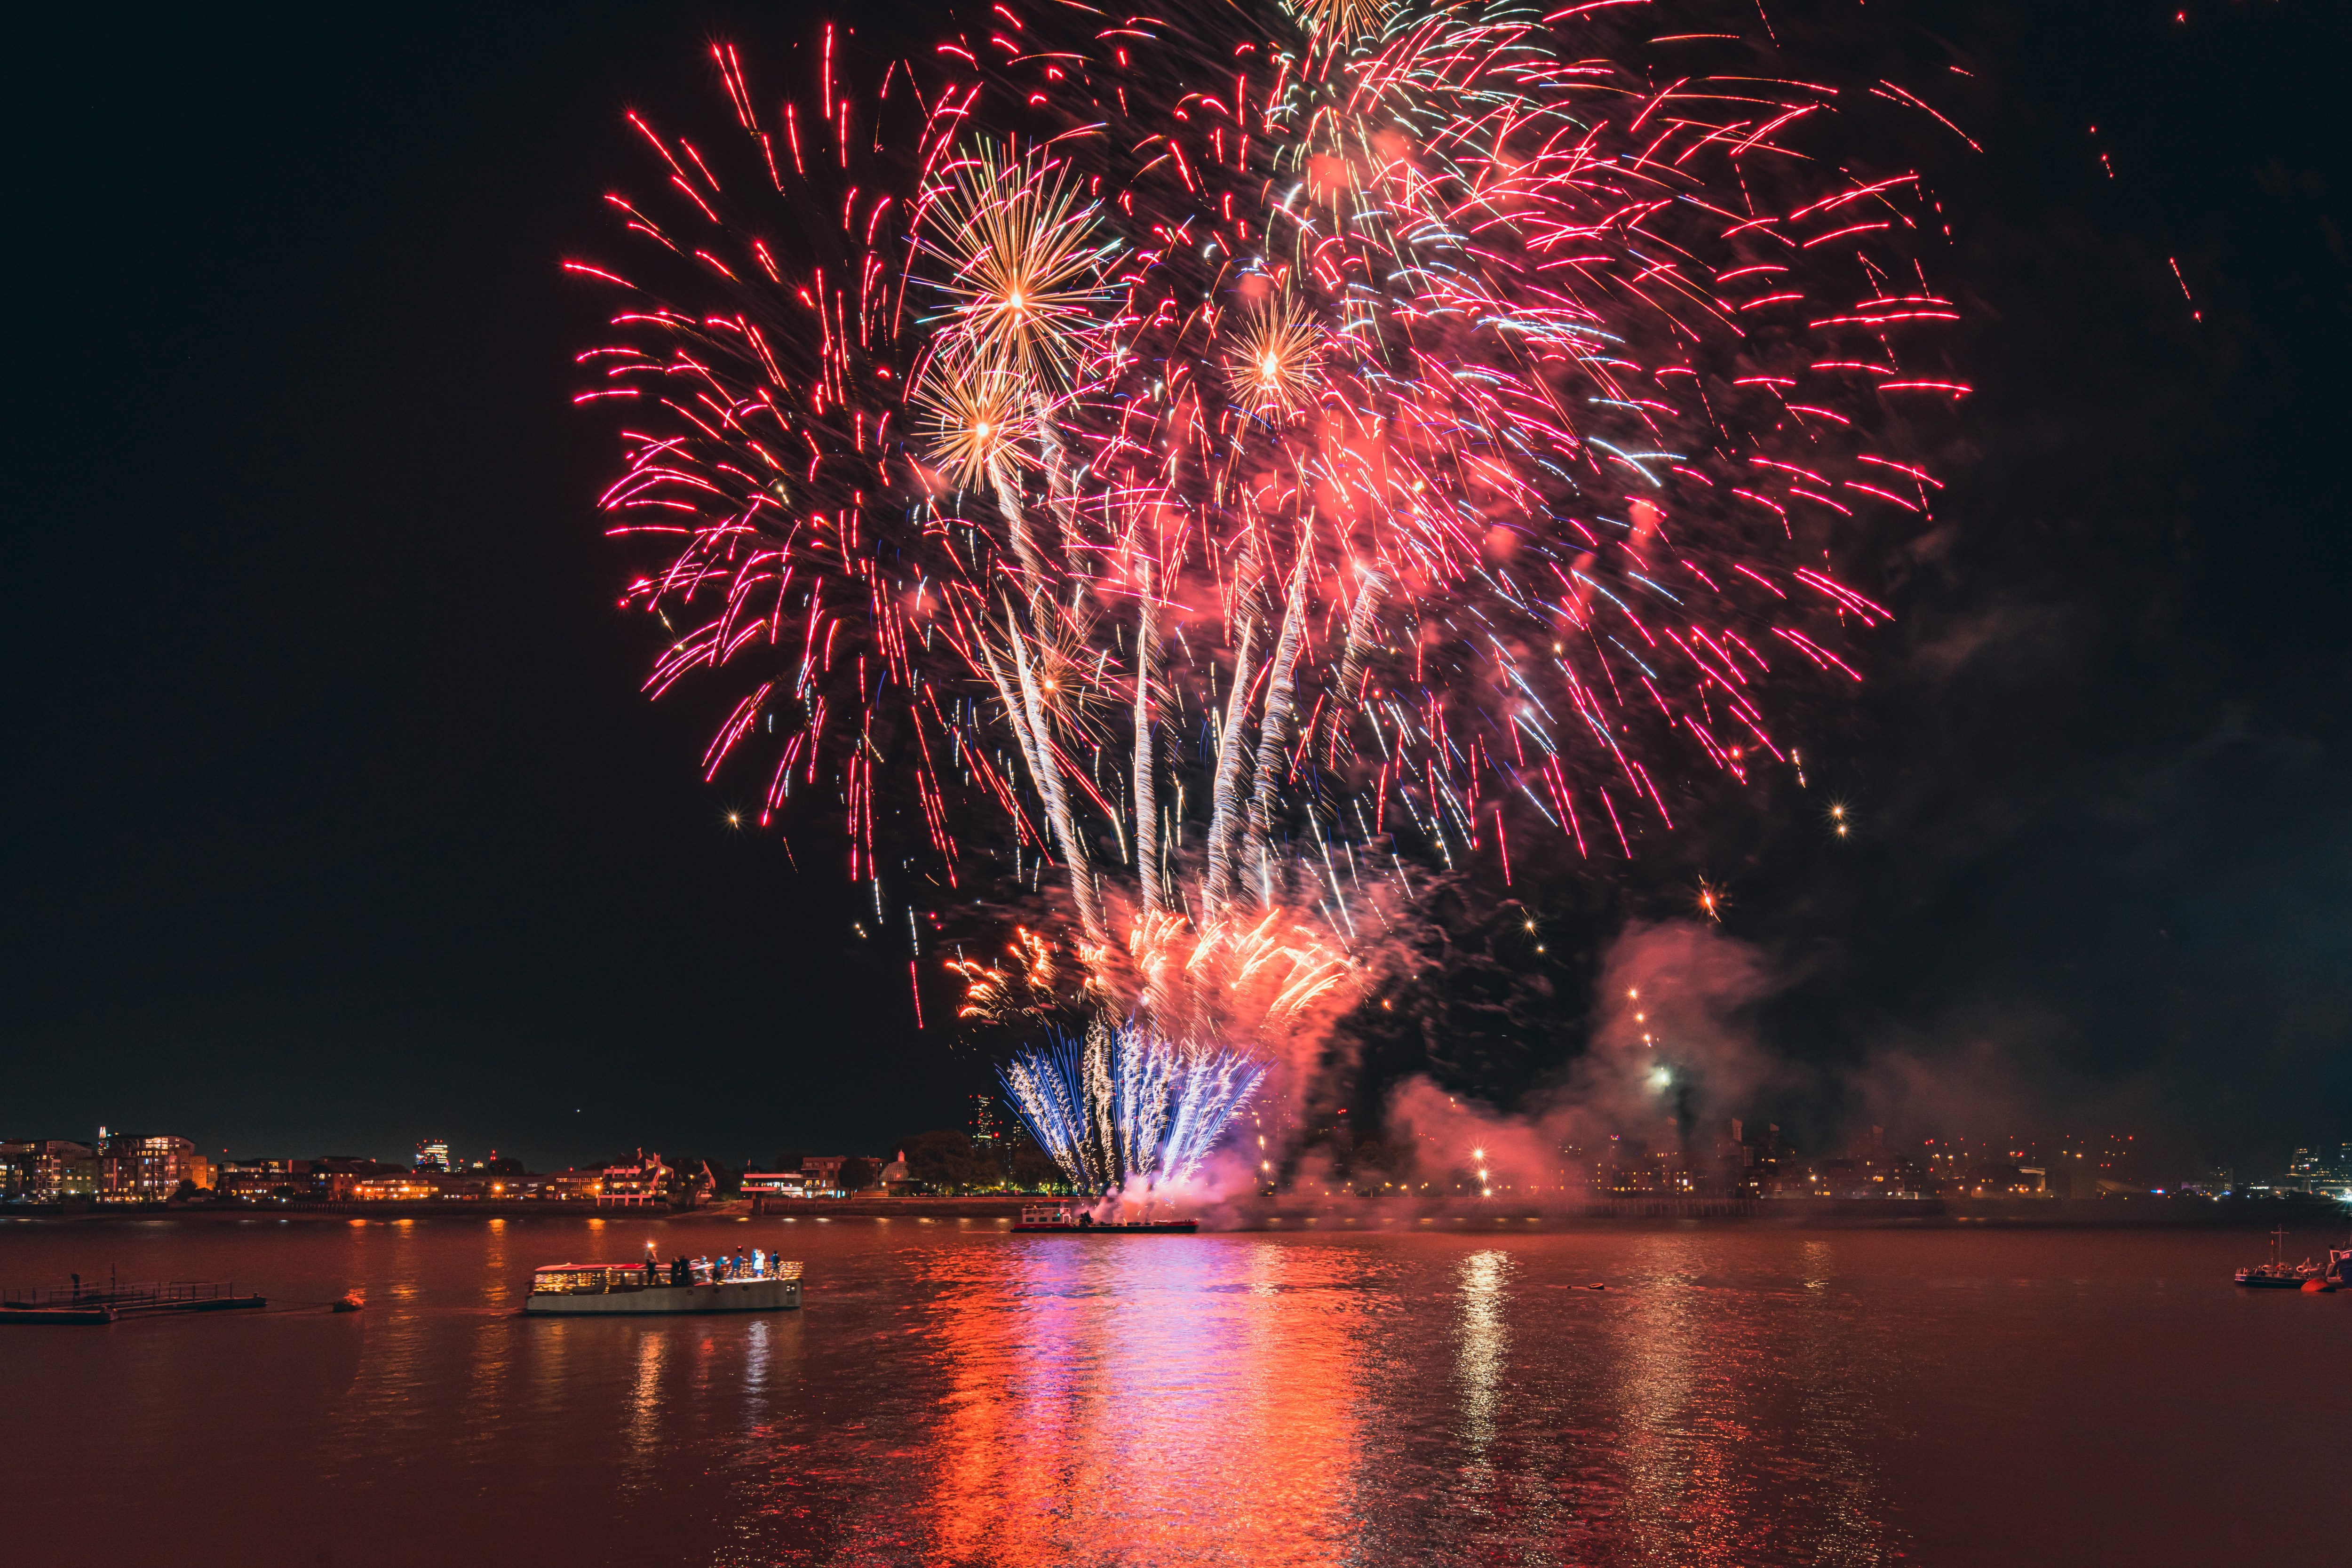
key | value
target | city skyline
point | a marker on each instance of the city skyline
(1743, 1156)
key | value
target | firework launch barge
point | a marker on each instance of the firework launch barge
(612, 1290)
(1069, 1219)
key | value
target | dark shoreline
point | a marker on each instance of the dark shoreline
(1293, 1212)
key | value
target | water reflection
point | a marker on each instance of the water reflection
(756, 1353)
(1478, 1361)
(1681, 1501)
(959, 1395)
(642, 1454)
(1139, 1404)
(1837, 1371)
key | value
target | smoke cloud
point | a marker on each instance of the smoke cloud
(1670, 1049)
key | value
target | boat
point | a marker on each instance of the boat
(609, 1289)
(1069, 1219)
(2278, 1274)
(2337, 1275)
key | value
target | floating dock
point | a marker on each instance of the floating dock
(67, 1304)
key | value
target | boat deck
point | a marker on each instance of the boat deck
(597, 1290)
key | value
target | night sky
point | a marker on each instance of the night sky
(336, 818)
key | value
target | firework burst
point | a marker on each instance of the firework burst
(1018, 258)
(1272, 367)
(1242, 454)
(1122, 1106)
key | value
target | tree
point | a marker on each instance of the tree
(1033, 1170)
(948, 1162)
(856, 1172)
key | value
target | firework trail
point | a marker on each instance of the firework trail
(1241, 452)
(1124, 1105)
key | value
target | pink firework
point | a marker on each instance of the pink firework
(1243, 456)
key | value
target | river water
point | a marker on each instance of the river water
(952, 1394)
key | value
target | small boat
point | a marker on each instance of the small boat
(2336, 1276)
(351, 1301)
(2278, 1274)
(607, 1289)
(1069, 1219)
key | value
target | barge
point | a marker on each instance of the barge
(614, 1289)
(1069, 1219)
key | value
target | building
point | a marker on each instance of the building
(335, 1178)
(643, 1181)
(406, 1186)
(573, 1185)
(252, 1179)
(988, 1127)
(46, 1170)
(2311, 1171)
(1635, 1171)
(820, 1174)
(2217, 1183)
(132, 1170)
(776, 1184)
(432, 1154)
(1770, 1165)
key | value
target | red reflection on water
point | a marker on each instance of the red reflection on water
(1119, 1399)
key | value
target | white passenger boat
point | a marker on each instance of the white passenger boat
(601, 1289)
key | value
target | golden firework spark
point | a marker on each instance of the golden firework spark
(1340, 20)
(979, 418)
(1272, 363)
(1027, 986)
(1019, 242)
